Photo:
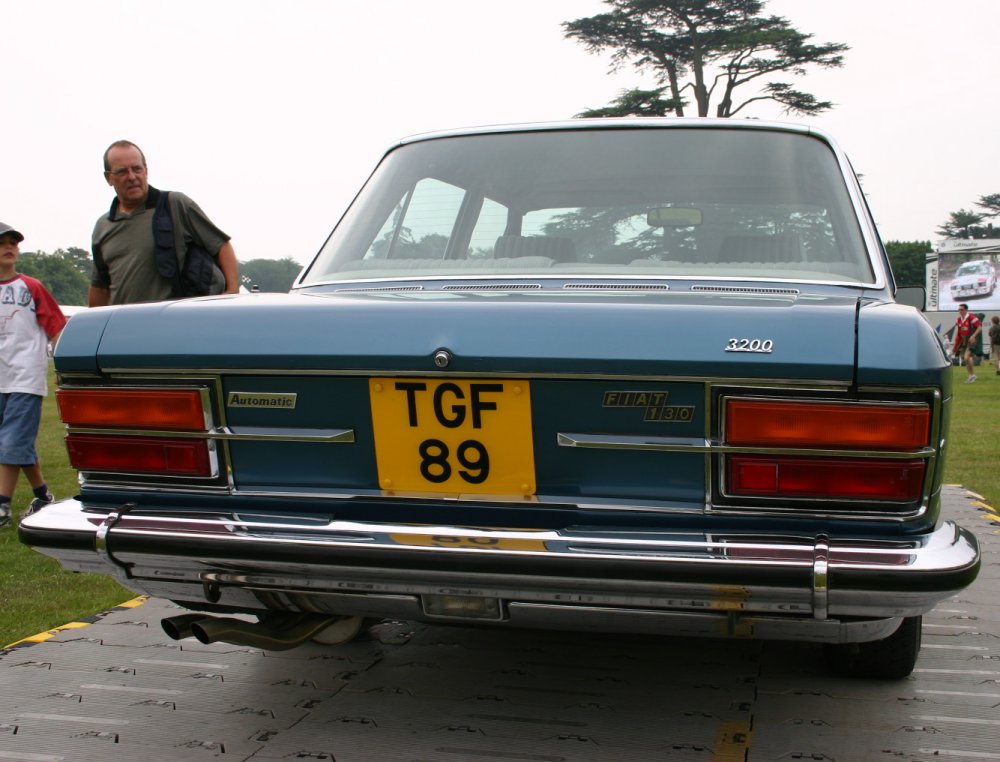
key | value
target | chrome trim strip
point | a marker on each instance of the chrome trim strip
(318, 288)
(628, 442)
(243, 433)
(791, 384)
(682, 444)
(260, 433)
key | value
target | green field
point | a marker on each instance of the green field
(37, 594)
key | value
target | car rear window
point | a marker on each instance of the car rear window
(603, 202)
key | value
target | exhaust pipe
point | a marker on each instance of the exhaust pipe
(276, 632)
(179, 627)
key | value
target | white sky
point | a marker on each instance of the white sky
(271, 114)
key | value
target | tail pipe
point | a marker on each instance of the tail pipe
(275, 632)
(179, 627)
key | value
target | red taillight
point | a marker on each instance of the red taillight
(163, 409)
(146, 455)
(830, 478)
(149, 409)
(834, 425)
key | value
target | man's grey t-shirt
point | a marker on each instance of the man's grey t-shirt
(123, 248)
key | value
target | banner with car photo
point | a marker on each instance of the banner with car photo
(964, 271)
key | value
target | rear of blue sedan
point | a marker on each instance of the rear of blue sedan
(637, 376)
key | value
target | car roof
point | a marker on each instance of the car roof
(618, 123)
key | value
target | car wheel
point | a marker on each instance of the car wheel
(889, 658)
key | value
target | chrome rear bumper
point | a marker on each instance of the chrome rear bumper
(743, 585)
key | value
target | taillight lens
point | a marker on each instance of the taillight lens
(164, 409)
(150, 410)
(831, 478)
(803, 425)
(833, 425)
(146, 455)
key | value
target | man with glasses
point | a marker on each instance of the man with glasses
(123, 246)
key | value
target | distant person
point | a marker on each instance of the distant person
(123, 245)
(995, 342)
(967, 330)
(29, 320)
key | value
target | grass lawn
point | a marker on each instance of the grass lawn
(38, 595)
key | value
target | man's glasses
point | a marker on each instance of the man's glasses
(138, 169)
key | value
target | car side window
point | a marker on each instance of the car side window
(490, 225)
(421, 224)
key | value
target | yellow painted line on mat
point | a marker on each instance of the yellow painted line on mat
(49, 634)
(732, 741)
(989, 512)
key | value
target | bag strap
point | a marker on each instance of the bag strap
(164, 245)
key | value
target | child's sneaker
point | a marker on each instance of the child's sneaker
(39, 502)
(5, 516)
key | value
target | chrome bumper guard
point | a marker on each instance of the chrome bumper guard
(742, 585)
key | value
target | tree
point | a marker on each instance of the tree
(79, 258)
(275, 275)
(990, 204)
(59, 272)
(634, 103)
(966, 223)
(704, 49)
(909, 261)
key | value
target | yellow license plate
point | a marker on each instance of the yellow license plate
(458, 436)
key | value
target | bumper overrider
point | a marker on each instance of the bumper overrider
(581, 578)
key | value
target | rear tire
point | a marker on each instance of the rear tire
(890, 658)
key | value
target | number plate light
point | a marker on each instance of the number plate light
(462, 607)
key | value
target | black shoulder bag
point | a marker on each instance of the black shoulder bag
(194, 274)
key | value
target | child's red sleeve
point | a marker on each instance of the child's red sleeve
(47, 312)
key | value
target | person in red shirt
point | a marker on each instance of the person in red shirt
(967, 328)
(29, 320)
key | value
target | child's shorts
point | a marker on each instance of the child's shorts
(20, 415)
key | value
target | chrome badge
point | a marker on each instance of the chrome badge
(764, 346)
(283, 401)
(653, 404)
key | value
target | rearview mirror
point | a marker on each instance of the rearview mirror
(673, 217)
(912, 296)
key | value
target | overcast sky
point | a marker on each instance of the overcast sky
(271, 114)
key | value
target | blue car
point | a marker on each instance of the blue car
(644, 376)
